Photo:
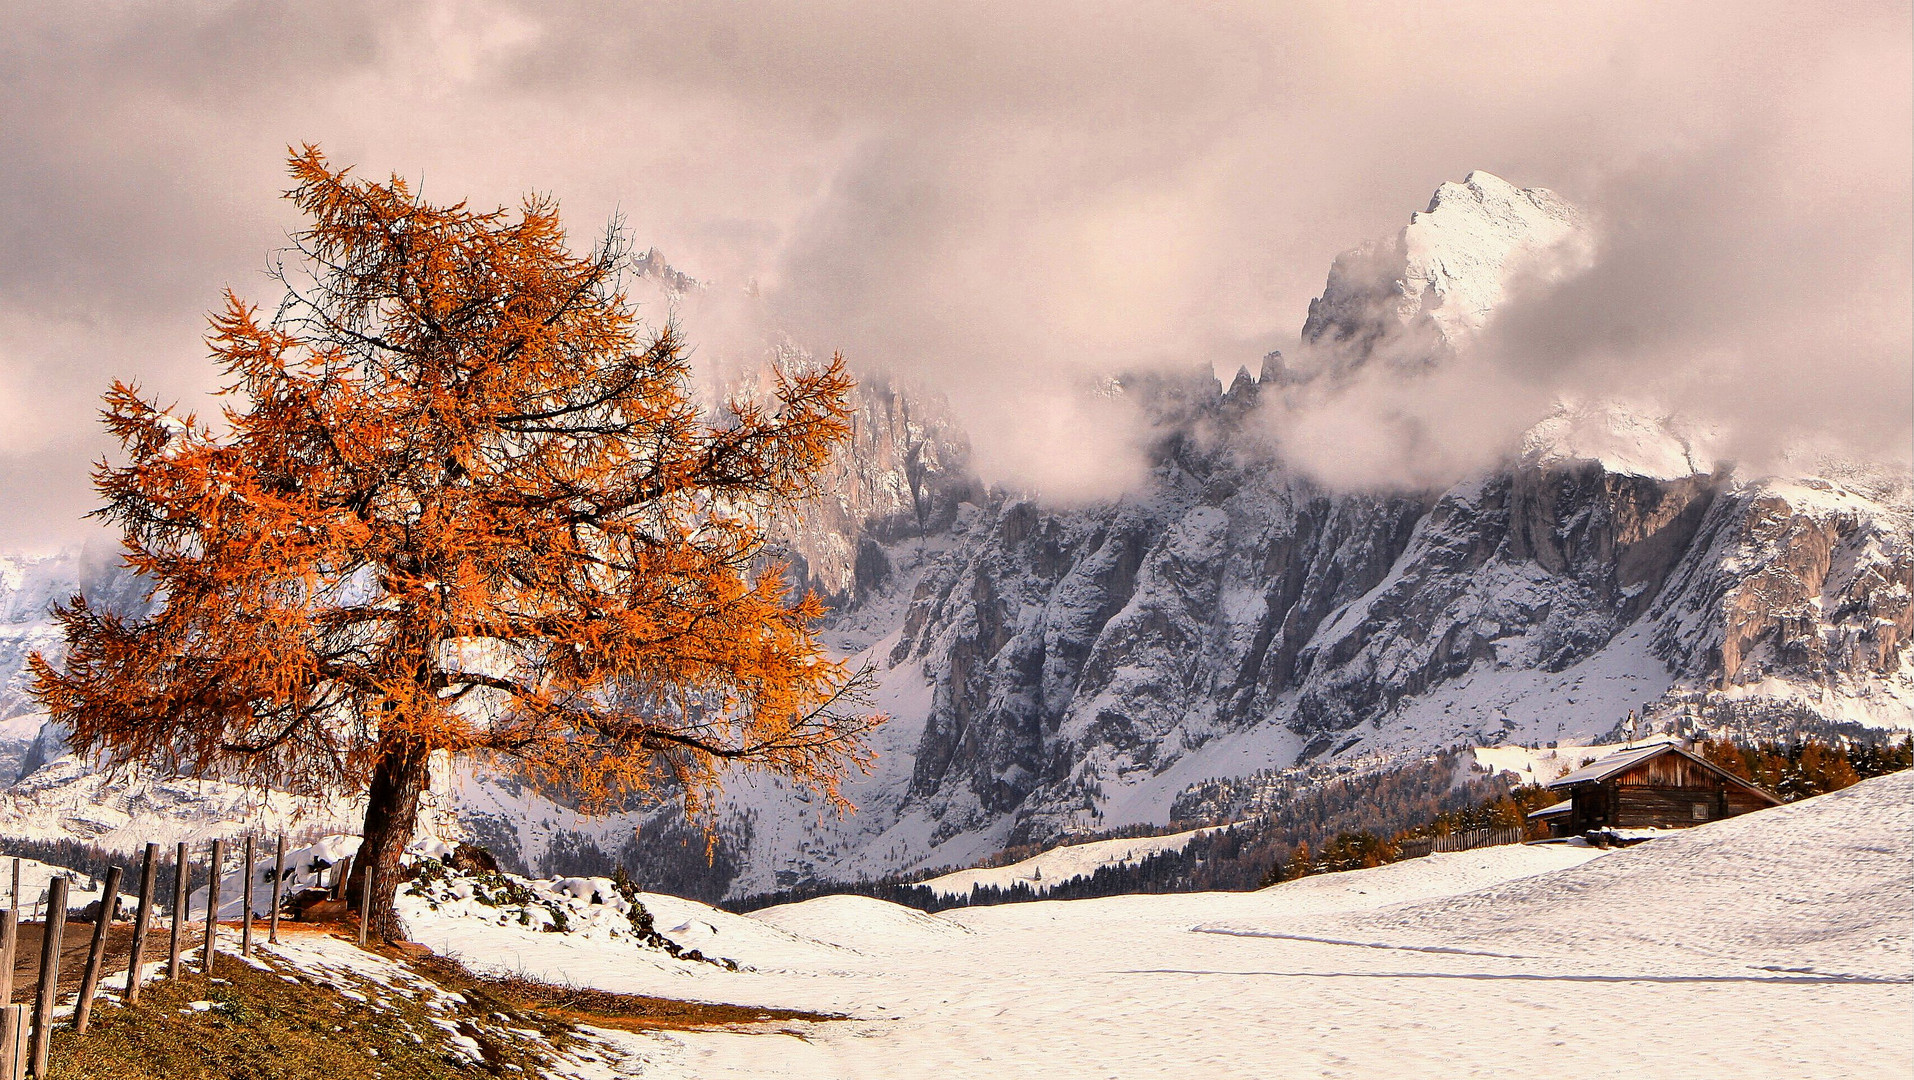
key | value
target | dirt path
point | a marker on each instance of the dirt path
(73, 949)
(78, 939)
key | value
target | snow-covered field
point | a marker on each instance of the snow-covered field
(1778, 944)
(35, 876)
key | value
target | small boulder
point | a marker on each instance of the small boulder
(472, 859)
(316, 905)
(91, 913)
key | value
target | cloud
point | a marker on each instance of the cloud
(1000, 200)
(1754, 287)
(1764, 280)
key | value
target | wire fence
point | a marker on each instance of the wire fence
(26, 1029)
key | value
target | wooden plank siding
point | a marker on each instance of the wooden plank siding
(1667, 791)
(1669, 771)
(1639, 806)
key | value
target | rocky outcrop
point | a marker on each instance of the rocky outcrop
(903, 476)
(1076, 655)
(1808, 580)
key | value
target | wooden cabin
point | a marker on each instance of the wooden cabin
(1662, 785)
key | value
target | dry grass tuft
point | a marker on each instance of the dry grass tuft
(605, 1008)
(279, 1024)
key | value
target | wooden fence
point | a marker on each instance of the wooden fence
(1467, 840)
(26, 1030)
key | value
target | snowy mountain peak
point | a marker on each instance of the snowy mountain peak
(1054, 670)
(1413, 298)
(1626, 441)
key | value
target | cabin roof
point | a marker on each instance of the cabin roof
(1613, 764)
(1553, 810)
(1622, 761)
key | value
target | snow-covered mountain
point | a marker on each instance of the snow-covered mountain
(1413, 299)
(1053, 670)
(29, 586)
(1059, 670)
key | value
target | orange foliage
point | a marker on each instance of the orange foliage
(459, 501)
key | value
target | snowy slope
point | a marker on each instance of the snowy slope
(856, 922)
(69, 800)
(1821, 886)
(1060, 864)
(1627, 441)
(35, 876)
(1539, 765)
(1453, 965)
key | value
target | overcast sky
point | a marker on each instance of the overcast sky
(1000, 199)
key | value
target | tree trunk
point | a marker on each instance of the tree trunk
(392, 812)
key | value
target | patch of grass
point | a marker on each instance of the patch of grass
(277, 1022)
(280, 1024)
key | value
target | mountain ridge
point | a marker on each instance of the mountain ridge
(1064, 669)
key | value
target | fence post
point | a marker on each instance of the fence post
(365, 905)
(246, 903)
(278, 878)
(49, 973)
(182, 874)
(344, 874)
(212, 910)
(9, 955)
(14, 1048)
(141, 922)
(14, 903)
(96, 956)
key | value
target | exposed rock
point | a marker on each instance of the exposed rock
(902, 476)
(1074, 655)
(472, 859)
(1809, 581)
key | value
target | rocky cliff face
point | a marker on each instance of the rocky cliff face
(1801, 588)
(1081, 667)
(1069, 651)
(903, 476)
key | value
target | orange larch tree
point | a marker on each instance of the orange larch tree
(460, 500)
